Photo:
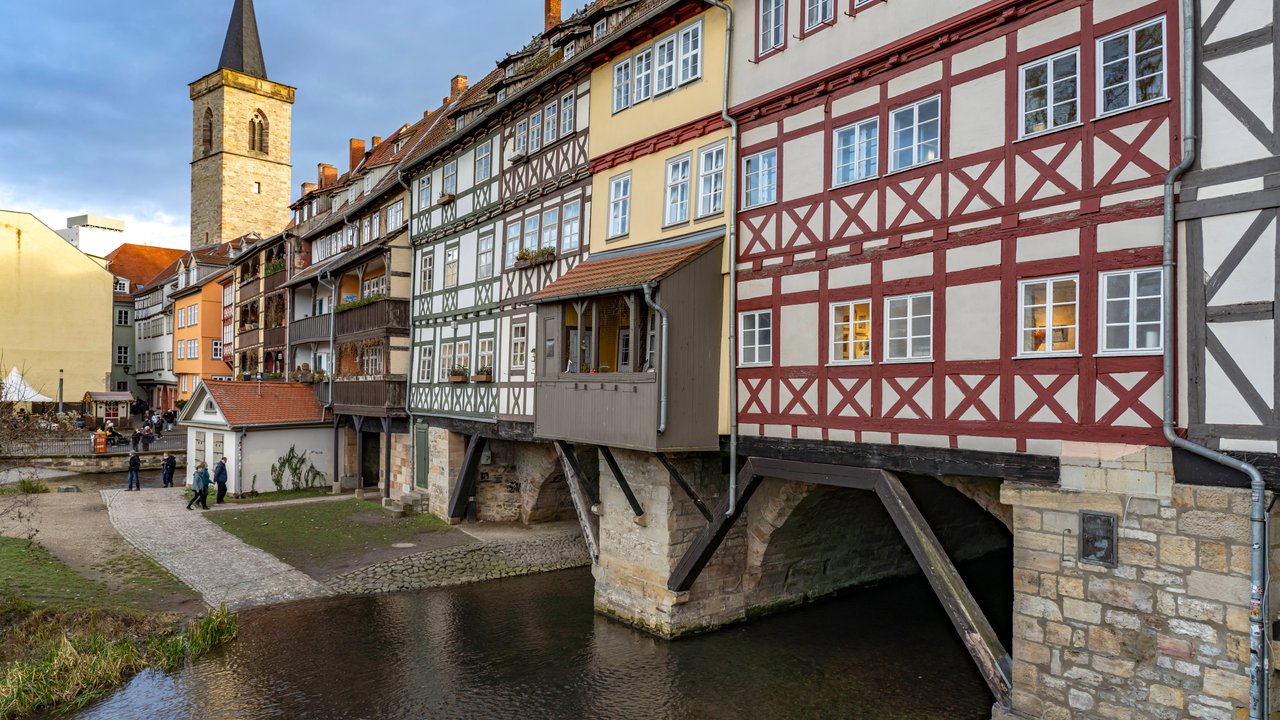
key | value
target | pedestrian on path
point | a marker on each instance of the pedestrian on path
(136, 436)
(220, 477)
(135, 466)
(148, 436)
(200, 485)
(167, 466)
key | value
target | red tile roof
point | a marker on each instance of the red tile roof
(624, 271)
(138, 264)
(266, 403)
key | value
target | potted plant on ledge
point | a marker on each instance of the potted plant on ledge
(483, 374)
(446, 198)
(458, 374)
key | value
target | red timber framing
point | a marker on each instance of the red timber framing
(1042, 206)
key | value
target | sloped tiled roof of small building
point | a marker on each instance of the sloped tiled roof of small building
(245, 403)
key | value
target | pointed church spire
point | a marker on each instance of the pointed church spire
(242, 51)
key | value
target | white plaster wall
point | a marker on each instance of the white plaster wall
(971, 335)
(261, 448)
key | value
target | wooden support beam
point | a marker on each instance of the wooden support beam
(679, 479)
(975, 631)
(465, 487)
(386, 458)
(622, 481)
(709, 539)
(581, 500)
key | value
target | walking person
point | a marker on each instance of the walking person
(220, 477)
(136, 437)
(200, 486)
(135, 466)
(167, 466)
(148, 436)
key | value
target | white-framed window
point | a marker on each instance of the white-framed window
(424, 192)
(122, 316)
(193, 349)
(181, 318)
(567, 107)
(676, 205)
(366, 233)
(462, 354)
(569, 51)
(755, 337)
(643, 64)
(446, 361)
(599, 29)
(760, 172)
(550, 228)
(535, 131)
(857, 151)
(426, 270)
(121, 285)
(371, 360)
(395, 215)
(1131, 68)
(818, 12)
(914, 133)
(450, 184)
(377, 225)
(451, 255)
(1047, 315)
(484, 255)
(522, 137)
(530, 242)
(550, 122)
(426, 356)
(711, 180)
(572, 226)
(622, 86)
(1050, 92)
(664, 65)
(519, 345)
(513, 241)
(484, 354)
(851, 331)
(184, 389)
(484, 160)
(193, 315)
(620, 205)
(1132, 311)
(909, 330)
(215, 349)
(773, 19)
(122, 354)
(182, 349)
(691, 53)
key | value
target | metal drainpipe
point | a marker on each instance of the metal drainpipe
(731, 236)
(408, 411)
(1258, 514)
(662, 367)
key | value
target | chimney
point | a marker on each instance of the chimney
(327, 174)
(357, 152)
(308, 187)
(552, 14)
(456, 86)
(377, 141)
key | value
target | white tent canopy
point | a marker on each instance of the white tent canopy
(16, 389)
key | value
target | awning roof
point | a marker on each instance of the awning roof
(626, 269)
(16, 389)
(111, 396)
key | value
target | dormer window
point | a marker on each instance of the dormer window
(569, 51)
(510, 71)
(600, 29)
(368, 183)
(121, 285)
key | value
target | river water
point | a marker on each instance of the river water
(531, 647)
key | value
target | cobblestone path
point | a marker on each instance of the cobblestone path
(210, 560)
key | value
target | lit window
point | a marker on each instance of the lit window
(914, 134)
(451, 267)
(857, 149)
(1047, 316)
(910, 327)
(691, 53)
(622, 86)
(572, 226)
(664, 65)
(818, 12)
(644, 75)
(755, 338)
(711, 180)
(851, 331)
(1050, 92)
(1132, 311)
(677, 195)
(519, 345)
(772, 23)
(620, 205)
(1131, 67)
(760, 172)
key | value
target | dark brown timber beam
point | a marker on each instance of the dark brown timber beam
(581, 500)
(466, 484)
(622, 481)
(675, 475)
(710, 537)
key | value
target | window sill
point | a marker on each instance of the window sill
(1120, 111)
(1050, 131)
(755, 365)
(917, 166)
(614, 238)
(906, 361)
(859, 181)
(1145, 352)
(849, 363)
(1048, 355)
(709, 216)
(674, 225)
(760, 205)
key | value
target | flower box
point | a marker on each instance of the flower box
(457, 378)
(517, 158)
(482, 377)
(447, 198)
(527, 259)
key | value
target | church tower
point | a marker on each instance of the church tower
(240, 141)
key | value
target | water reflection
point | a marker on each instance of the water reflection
(532, 648)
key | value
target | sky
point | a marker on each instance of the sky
(95, 116)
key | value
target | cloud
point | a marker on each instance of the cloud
(142, 225)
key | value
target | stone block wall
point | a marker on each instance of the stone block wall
(1165, 633)
(401, 464)
(498, 496)
(445, 451)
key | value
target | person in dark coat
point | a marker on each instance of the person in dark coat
(220, 477)
(167, 466)
(148, 436)
(136, 437)
(200, 486)
(135, 466)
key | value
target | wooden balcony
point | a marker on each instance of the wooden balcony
(312, 329)
(274, 337)
(274, 281)
(248, 338)
(384, 317)
(371, 397)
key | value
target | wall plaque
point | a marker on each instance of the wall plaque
(1098, 538)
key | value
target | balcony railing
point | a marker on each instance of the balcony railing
(274, 281)
(383, 315)
(310, 329)
(380, 396)
(274, 337)
(248, 338)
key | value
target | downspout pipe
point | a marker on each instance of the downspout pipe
(1257, 487)
(731, 234)
(408, 411)
(662, 361)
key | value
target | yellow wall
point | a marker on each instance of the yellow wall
(207, 329)
(684, 104)
(57, 309)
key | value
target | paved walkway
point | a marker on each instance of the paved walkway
(210, 560)
(267, 505)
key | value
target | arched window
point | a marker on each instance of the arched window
(206, 133)
(258, 131)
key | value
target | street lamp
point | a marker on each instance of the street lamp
(59, 391)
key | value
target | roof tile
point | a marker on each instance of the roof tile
(266, 403)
